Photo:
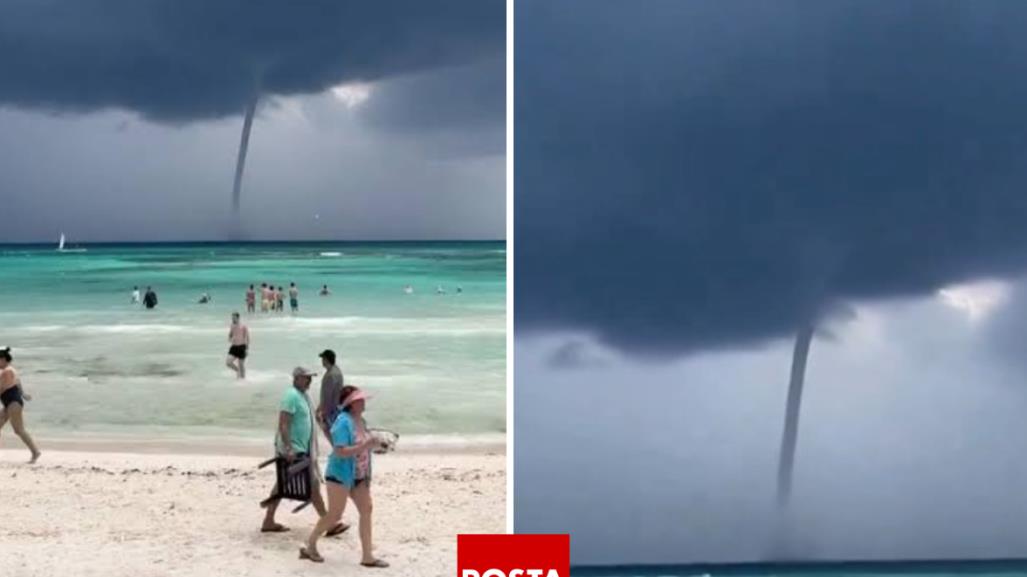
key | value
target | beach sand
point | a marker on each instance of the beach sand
(87, 510)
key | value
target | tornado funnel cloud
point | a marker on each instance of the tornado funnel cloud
(786, 462)
(240, 163)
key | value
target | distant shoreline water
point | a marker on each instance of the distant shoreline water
(44, 245)
(98, 365)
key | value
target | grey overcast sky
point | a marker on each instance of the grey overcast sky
(695, 181)
(121, 120)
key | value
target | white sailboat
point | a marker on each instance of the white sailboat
(60, 246)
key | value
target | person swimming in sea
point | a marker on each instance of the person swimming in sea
(135, 295)
(439, 290)
(408, 289)
(205, 299)
(324, 291)
(13, 397)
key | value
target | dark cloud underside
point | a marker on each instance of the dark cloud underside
(181, 60)
(708, 173)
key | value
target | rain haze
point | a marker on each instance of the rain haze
(698, 185)
(123, 120)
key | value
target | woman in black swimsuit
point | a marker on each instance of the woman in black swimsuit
(13, 399)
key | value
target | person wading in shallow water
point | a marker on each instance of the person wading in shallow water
(239, 344)
(150, 298)
(331, 388)
(251, 300)
(265, 298)
(13, 397)
(294, 297)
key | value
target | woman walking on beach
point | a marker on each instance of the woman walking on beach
(348, 476)
(13, 398)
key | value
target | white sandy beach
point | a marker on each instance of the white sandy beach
(85, 510)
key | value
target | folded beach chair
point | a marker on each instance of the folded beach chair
(293, 481)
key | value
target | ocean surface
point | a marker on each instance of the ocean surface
(1012, 568)
(97, 364)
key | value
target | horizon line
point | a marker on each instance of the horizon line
(269, 241)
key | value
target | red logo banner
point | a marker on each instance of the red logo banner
(513, 555)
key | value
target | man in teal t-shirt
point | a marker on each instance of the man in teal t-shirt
(292, 441)
(294, 423)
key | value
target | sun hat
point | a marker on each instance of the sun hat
(356, 395)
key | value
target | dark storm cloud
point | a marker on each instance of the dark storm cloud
(575, 354)
(473, 94)
(181, 60)
(471, 98)
(1005, 330)
(697, 174)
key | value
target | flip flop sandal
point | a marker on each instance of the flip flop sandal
(337, 530)
(308, 556)
(376, 564)
(274, 529)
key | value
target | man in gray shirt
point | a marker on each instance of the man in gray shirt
(331, 388)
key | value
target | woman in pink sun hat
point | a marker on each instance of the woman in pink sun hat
(348, 475)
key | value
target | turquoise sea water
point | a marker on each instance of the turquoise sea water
(97, 364)
(1014, 568)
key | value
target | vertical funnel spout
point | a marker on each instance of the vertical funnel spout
(789, 437)
(240, 163)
